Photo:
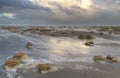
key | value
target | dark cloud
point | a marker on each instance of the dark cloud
(7, 6)
(54, 12)
(17, 3)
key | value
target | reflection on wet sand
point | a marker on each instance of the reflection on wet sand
(62, 46)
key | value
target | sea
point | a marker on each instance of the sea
(55, 50)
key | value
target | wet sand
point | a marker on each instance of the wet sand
(56, 51)
(69, 73)
(85, 71)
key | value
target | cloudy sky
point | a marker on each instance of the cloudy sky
(60, 12)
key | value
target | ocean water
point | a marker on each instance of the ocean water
(49, 49)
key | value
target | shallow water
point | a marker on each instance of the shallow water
(58, 49)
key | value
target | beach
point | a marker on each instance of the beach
(64, 47)
(81, 70)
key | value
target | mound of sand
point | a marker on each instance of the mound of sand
(21, 56)
(12, 63)
(45, 68)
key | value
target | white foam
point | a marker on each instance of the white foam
(12, 72)
(45, 61)
(87, 68)
(54, 69)
(99, 40)
(27, 62)
(83, 59)
(44, 72)
(14, 75)
(87, 59)
(4, 34)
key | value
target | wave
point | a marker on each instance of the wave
(4, 34)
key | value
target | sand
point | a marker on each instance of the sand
(85, 71)
(52, 47)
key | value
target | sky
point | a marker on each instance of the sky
(60, 12)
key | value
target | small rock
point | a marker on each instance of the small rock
(29, 45)
(101, 33)
(86, 36)
(111, 58)
(89, 43)
(99, 58)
